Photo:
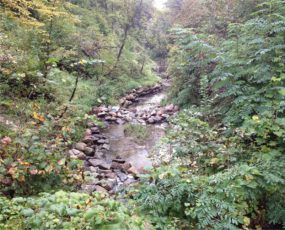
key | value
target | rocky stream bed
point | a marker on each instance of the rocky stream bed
(113, 160)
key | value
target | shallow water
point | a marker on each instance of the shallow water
(126, 147)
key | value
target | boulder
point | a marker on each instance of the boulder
(80, 146)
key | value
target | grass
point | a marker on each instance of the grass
(139, 132)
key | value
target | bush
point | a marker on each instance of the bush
(63, 210)
(216, 180)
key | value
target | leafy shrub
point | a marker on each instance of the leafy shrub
(218, 180)
(63, 210)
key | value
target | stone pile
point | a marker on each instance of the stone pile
(102, 175)
(120, 115)
(133, 96)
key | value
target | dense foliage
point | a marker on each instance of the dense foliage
(226, 60)
(228, 161)
(64, 210)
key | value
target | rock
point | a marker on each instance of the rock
(120, 121)
(169, 108)
(111, 175)
(176, 108)
(98, 188)
(90, 140)
(90, 124)
(122, 176)
(92, 179)
(115, 108)
(151, 120)
(153, 113)
(80, 146)
(88, 132)
(101, 114)
(95, 130)
(103, 141)
(116, 165)
(130, 97)
(133, 171)
(127, 166)
(122, 101)
(89, 151)
(104, 171)
(160, 112)
(99, 163)
(88, 188)
(108, 184)
(165, 115)
(76, 154)
(99, 154)
(127, 103)
(93, 169)
(158, 119)
(129, 181)
(106, 146)
(119, 160)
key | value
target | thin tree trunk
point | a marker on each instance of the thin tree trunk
(126, 30)
(71, 97)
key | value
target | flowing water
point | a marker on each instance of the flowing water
(127, 147)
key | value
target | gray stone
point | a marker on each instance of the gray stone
(122, 176)
(106, 146)
(99, 163)
(98, 188)
(80, 146)
(151, 120)
(169, 108)
(89, 151)
(99, 154)
(111, 175)
(76, 154)
(133, 171)
(88, 188)
(95, 130)
(88, 132)
(90, 140)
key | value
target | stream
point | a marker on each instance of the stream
(127, 147)
(115, 158)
